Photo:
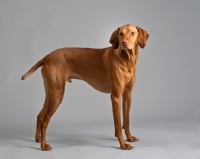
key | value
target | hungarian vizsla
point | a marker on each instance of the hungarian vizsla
(109, 70)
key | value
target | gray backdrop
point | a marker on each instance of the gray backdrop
(167, 86)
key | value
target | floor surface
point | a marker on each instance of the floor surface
(157, 141)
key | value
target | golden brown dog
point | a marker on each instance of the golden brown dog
(109, 70)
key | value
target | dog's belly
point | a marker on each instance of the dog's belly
(100, 85)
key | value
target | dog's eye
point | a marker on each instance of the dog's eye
(132, 33)
(121, 34)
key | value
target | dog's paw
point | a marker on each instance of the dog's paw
(38, 139)
(46, 147)
(126, 147)
(132, 139)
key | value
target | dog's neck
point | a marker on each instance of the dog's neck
(128, 57)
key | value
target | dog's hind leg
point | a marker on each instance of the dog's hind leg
(39, 121)
(54, 101)
(54, 82)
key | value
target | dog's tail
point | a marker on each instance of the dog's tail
(33, 69)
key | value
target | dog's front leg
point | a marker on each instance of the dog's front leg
(126, 110)
(116, 100)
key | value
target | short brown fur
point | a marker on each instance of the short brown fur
(109, 70)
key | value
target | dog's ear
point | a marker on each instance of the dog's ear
(114, 39)
(142, 38)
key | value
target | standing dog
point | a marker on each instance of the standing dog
(109, 70)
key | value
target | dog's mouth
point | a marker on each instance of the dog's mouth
(125, 47)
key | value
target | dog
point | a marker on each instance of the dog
(109, 70)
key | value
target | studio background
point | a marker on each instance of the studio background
(167, 85)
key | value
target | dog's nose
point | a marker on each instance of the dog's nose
(124, 42)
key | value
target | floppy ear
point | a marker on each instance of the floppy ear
(114, 39)
(143, 36)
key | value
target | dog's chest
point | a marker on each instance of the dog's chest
(127, 72)
(127, 67)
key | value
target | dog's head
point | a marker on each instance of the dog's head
(127, 36)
